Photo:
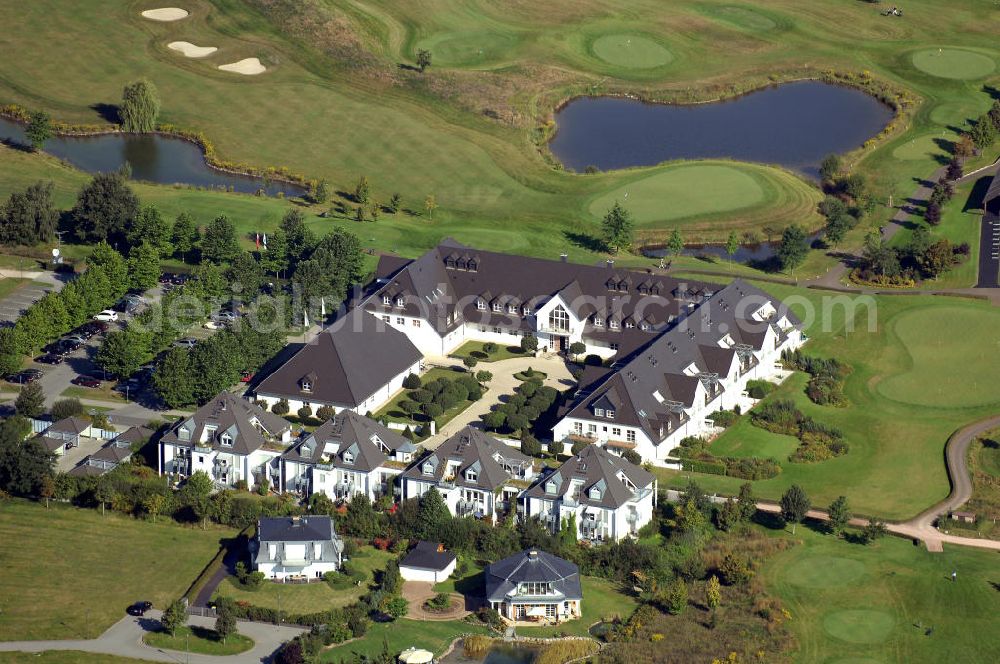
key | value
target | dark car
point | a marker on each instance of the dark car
(49, 358)
(139, 608)
(86, 381)
(24, 377)
(166, 277)
(179, 279)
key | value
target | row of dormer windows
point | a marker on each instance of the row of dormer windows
(499, 308)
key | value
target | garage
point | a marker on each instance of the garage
(428, 562)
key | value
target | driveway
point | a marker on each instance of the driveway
(124, 639)
(418, 592)
(503, 383)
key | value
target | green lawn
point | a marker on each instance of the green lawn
(475, 349)
(65, 657)
(8, 285)
(399, 635)
(77, 571)
(199, 640)
(311, 597)
(924, 371)
(890, 602)
(103, 393)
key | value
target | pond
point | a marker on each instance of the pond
(750, 252)
(500, 653)
(794, 125)
(152, 157)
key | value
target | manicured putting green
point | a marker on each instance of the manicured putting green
(463, 49)
(959, 113)
(824, 572)
(744, 17)
(859, 625)
(631, 51)
(919, 148)
(855, 660)
(684, 191)
(928, 335)
(954, 63)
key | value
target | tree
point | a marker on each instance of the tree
(556, 448)
(794, 505)
(359, 214)
(362, 191)
(397, 607)
(220, 244)
(66, 408)
(150, 226)
(430, 204)
(320, 193)
(747, 502)
(470, 362)
(39, 129)
(530, 445)
(172, 381)
(954, 171)
(185, 235)
(983, 133)
(290, 653)
(423, 59)
(300, 240)
(225, 622)
(713, 593)
(484, 376)
(174, 617)
(675, 598)
(829, 168)
(104, 209)
(618, 227)
(577, 348)
(196, 494)
(873, 530)
(275, 259)
(395, 203)
(529, 344)
(728, 516)
(143, 267)
(140, 107)
(29, 217)
(632, 457)
(964, 148)
(432, 513)
(495, 419)
(247, 272)
(114, 267)
(31, 401)
(676, 243)
(932, 214)
(123, 351)
(153, 504)
(24, 464)
(732, 245)
(793, 248)
(374, 210)
(840, 515)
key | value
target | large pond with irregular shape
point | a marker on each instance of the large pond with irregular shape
(152, 158)
(794, 125)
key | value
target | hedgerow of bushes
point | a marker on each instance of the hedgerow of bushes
(826, 377)
(818, 441)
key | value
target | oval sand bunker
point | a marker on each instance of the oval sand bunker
(190, 50)
(247, 67)
(165, 14)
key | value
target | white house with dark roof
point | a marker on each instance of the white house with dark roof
(346, 456)
(534, 586)
(294, 548)
(476, 474)
(427, 562)
(357, 363)
(455, 293)
(229, 438)
(605, 496)
(666, 390)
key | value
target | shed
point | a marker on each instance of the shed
(965, 517)
(429, 562)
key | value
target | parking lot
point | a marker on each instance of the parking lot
(12, 306)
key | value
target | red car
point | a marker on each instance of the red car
(86, 381)
(246, 376)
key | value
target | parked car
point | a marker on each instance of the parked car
(246, 376)
(49, 358)
(187, 342)
(139, 608)
(76, 339)
(166, 277)
(88, 330)
(226, 316)
(179, 279)
(86, 381)
(107, 316)
(214, 325)
(24, 377)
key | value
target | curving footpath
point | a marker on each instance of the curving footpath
(124, 639)
(921, 526)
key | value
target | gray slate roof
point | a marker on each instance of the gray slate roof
(345, 364)
(73, 425)
(242, 419)
(595, 466)
(369, 443)
(427, 556)
(474, 450)
(296, 529)
(532, 565)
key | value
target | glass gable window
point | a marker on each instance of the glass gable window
(559, 319)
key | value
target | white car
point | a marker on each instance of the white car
(107, 316)
(188, 343)
(213, 325)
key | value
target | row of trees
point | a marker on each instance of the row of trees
(923, 258)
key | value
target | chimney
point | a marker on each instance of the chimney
(563, 257)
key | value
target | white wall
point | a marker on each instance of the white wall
(426, 575)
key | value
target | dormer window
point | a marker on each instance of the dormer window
(307, 385)
(348, 457)
(226, 440)
(400, 301)
(526, 310)
(481, 305)
(183, 434)
(471, 475)
(610, 413)
(613, 324)
(595, 493)
(629, 325)
(497, 307)
(644, 325)
(550, 487)
(386, 299)
(512, 309)
(472, 265)
(428, 469)
(598, 321)
(598, 412)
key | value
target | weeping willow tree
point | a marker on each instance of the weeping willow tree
(140, 106)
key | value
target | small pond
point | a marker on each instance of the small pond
(794, 125)
(153, 158)
(500, 653)
(756, 252)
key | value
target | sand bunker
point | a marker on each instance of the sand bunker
(190, 50)
(165, 14)
(247, 67)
